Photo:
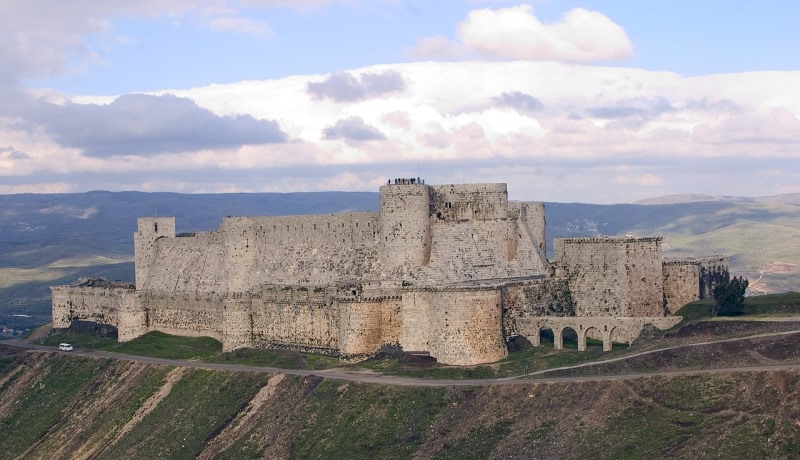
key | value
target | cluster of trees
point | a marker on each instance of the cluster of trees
(729, 297)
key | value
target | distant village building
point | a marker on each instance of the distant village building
(454, 271)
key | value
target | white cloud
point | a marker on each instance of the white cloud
(435, 47)
(569, 126)
(516, 33)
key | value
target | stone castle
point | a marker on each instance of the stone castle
(453, 271)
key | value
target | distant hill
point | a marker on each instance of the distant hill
(790, 198)
(691, 198)
(54, 238)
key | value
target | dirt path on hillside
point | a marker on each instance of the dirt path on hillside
(533, 377)
(662, 350)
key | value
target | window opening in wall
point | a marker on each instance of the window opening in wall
(315, 226)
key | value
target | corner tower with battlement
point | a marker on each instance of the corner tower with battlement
(452, 271)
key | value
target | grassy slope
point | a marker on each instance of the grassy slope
(61, 405)
(160, 345)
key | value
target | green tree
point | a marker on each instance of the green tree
(729, 297)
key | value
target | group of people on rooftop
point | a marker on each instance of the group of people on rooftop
(403, 181)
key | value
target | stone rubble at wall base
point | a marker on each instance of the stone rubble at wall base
(454, 271)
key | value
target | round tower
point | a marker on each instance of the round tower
(405, 224)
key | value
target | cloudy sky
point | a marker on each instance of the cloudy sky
(593, 101)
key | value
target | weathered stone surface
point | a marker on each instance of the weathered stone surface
(680, 283)
(449, 270)
(613, 276)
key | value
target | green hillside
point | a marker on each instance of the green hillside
(70, 407)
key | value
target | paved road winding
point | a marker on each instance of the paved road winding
(371, 377)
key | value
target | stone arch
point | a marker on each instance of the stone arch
(544, 333)
(587, 332)
(619, 334)
(559, 335)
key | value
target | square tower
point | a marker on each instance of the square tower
(150, 229)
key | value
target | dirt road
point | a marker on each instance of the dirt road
(369, 377)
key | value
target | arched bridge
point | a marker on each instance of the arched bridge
(608, 328)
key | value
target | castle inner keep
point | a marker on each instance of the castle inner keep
(453, 271)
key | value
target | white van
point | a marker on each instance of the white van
(65, 347)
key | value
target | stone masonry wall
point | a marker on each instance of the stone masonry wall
(456, 202)
(360, 331)
(315, 249)
(613, 276)
(92, 304)
(595, 269)
(186, 314)
(391, 320)
(187, 264)
(395, 244)
(540, 298)
(466, 327)
(644, 275)
(150, 229)
(237, 322)
(296, 318)
(122, 308)
(531, 216)
(416, 321)
(681, 283)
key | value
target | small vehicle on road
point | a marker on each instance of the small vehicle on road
(65, 347)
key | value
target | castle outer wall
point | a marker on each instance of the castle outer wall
(452, 271)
